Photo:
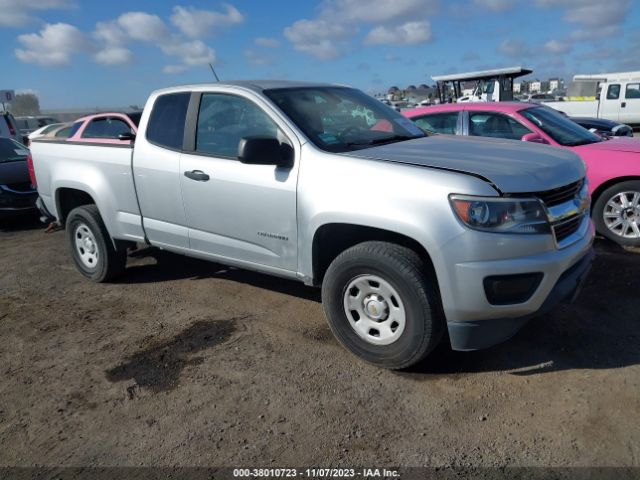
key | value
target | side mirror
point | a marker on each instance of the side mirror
(127, 137)
(597, 96)
(533, 138)
(263, 150)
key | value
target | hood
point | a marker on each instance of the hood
(614, 144)
(512, 166)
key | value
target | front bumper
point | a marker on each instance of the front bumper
(486, 333)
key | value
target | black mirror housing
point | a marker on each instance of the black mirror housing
(129, 136)
(264, 150)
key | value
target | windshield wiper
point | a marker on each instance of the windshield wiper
(382, 140)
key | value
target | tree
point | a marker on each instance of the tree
(25, 104)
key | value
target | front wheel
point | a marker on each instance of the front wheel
(616, 213)
(91, 246)
(382, 304)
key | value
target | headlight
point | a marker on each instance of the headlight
(501, 215)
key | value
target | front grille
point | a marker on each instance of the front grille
(564, 229)
(560, 195)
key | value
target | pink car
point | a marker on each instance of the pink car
(105, 128)
(613, 164)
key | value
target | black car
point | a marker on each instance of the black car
(17, 195)
(604, 127)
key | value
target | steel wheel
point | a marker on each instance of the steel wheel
(86, 246)
(622, 214)
(374, 309)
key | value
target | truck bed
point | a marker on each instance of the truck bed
(61, 164)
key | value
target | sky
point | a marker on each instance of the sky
(90, 53)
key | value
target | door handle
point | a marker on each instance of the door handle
(197, 175)
(623, 104)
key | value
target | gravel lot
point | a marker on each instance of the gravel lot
(184, 362)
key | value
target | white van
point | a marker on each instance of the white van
(614, 96)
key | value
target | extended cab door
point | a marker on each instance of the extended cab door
(156, 169)
(237, 211)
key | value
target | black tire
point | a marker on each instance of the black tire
(110, 262)
(406, 272)
(599, 211)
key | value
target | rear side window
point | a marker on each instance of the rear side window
(439, 122)
(633, 91)
(166, 124)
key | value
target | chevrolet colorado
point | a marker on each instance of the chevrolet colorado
(409, 235)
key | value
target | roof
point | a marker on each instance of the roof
(505, 107)
(609, 76)
(256, 85)
(509, 71)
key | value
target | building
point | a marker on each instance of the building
(535, 86)
(517, 87)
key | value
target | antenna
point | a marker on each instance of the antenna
(214, 73)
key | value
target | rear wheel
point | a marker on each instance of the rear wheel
(382, 304)
(91, 246)
(616, 213)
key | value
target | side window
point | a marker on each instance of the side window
(613, 92)
(632, 91)
(106, 128)
(496, 125)
(438, 122)
(224, 119)
(166, 123)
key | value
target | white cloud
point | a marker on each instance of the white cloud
(112, 55)
(196, 23)
(557, 46)
(19, 14)
(110, 33)
(143, 26)
(496, 5)
(325, 37)
(410, 33)
(319, 38)
(596, 18)
(267, 42)
(377, 11)
(53, 46)
(192, 53)
(255, 58)
(513, 48)
(110, 43)
(175, 69)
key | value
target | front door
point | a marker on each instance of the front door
(610, 104)
(234, 210)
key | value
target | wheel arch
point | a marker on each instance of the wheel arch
(608, 184)
(331, 239)
(68, 198)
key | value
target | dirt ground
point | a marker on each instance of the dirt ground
(183, 362)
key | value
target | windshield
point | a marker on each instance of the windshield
(340, 119)
(559, 127)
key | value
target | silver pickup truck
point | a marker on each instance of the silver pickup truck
(410, 235)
